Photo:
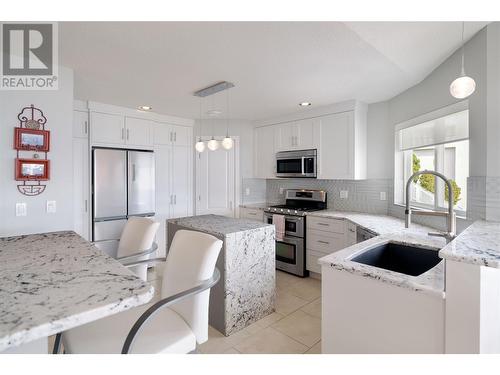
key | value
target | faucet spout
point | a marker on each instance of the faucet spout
(451, 221)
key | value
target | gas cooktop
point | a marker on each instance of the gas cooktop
(299, 202)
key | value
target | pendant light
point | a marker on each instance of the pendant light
(463, 86)
(227, 142)
(213, 144)
(200, 145)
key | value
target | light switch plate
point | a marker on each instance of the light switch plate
(344, 194)
(247, 191)
(383, 196)
(21, 209)
(51, 207)
(282, 190)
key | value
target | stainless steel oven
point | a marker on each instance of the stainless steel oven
(290, 250)
(296, 163)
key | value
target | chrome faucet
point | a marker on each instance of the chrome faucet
(451, 219)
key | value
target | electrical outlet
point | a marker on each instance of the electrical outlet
(247, 191)
(344, 194)
(51, 207)
(282, 191)
(383, 196)
(21, 209)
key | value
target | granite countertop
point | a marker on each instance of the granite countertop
(52, 282)
(217, 225)
(478, 244)
(387, 229)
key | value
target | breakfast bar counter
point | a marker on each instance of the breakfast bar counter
(246, 291)
(52, 282)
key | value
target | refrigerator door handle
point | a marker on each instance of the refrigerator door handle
(133, 172)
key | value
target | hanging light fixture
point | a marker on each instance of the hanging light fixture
(463, 86)
(227, 142)
(200, 145)
(213, 144)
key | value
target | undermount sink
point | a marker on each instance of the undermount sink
(408, 260)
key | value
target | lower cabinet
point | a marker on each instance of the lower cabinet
(324, 236)
(251, 214)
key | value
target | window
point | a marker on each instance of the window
(440, 145)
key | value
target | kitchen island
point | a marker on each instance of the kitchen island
(52, 282)
(246, 291)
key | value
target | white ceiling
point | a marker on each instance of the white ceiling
(274, 65)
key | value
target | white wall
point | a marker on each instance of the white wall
(58, 108)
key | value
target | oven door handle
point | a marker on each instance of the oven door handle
(303, 165)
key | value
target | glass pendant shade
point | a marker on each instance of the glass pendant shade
(213, 145)
(200, 146)
(462, 87)
(227, 143)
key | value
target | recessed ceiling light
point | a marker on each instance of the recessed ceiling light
(305, 104)
(145, 108)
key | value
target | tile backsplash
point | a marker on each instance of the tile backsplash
(256, 189)
(362, 195)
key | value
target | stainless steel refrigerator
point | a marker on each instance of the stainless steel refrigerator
(123, 185)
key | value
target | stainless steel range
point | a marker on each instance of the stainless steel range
(291, 250)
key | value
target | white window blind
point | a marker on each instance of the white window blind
(446, 129)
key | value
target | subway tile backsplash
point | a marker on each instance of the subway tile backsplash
(362, 195)
(256, 189)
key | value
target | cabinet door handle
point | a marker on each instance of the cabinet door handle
(86, 127)
(175, 198)
(324, 242)
(86, 207)
(324, 224)
(252, 213)
(171, 199)
(175, 136)
(351, 230)
(170, 136)
(128, 134)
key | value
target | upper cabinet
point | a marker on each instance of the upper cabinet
(296, 135)
(340, 139)
(264, 151)
(114, 129)
(167, 134)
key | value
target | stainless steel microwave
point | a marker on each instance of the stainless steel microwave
(300, 163)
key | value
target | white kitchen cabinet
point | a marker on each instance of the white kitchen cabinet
(252, 214)
(107, 128)
(324, 236)
(117, 130)
(296, 135)
(81, 187)
(167, 134)
(265, 154)
(80, 124)
(181, 179)
(138, 132)
(341, 140)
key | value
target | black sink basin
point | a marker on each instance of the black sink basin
(404, 259)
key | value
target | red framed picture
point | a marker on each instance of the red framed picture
(31, 139)
(32, 170)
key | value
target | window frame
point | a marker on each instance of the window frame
(403, 159)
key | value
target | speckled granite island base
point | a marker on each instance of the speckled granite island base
(246, 291)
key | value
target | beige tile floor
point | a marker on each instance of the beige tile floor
(294, 328)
